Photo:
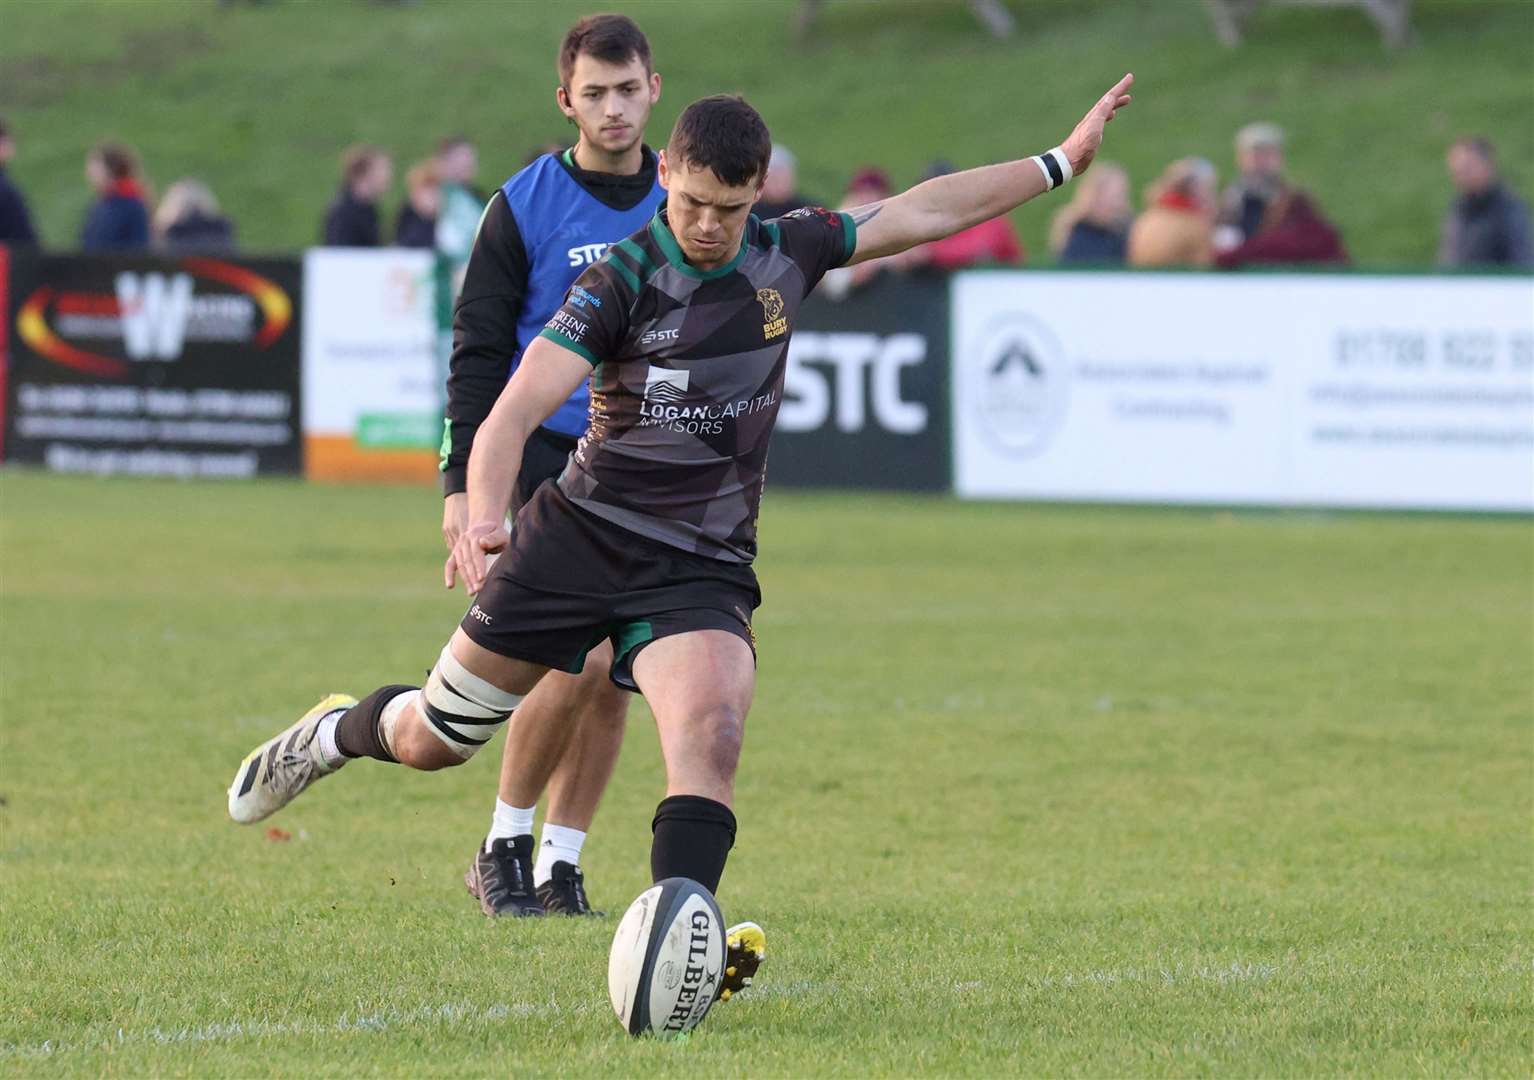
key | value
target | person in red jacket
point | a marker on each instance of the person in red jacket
(1293, 230)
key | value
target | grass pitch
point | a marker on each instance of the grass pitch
(1026, 791)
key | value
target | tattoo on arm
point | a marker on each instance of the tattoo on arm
(864, 214)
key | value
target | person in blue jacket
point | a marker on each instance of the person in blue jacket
(16, 226)
(119, 218)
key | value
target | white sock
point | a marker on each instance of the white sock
(559, 845)
(330, 753)
(509, 821)
(389, 716)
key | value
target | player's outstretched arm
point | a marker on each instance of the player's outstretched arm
(546, 377)
(948, 204)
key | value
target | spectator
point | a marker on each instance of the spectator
(1487, 225)
(869, 184)
(1177, 227)
(119, 219)
(15, 222)
(993, 241)
(188, 220)
(459, 204)
(1293, 230)
(458, 163)
(416, 225)
(352, 219)
(1094, 226)
(1260, 179)
(780, 189)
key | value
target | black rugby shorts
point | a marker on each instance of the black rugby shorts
(569, 579)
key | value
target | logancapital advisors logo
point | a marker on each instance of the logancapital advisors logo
(1020, 385)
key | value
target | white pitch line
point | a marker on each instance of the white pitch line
(454, 1013)
(1235, 972)
(230, 1030)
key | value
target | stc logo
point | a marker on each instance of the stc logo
(808, 392)
(586, 254)
(153, 315)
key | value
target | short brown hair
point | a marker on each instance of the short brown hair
(613, 39)
(725, 134)
(357, 160)
(119, 160)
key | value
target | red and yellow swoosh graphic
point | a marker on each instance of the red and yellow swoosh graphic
(32, 327)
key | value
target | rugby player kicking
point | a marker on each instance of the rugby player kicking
(647, 539)
(546, 225)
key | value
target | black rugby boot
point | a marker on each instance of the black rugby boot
(565, 892)
(501, 879)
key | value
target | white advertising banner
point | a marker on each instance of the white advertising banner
(372, 402)
(1278, 389)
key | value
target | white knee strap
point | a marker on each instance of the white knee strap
(462, 709)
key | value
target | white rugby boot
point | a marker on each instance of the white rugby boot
(273, 774)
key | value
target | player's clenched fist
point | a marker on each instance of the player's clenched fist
(467, 559)
(1082, 145)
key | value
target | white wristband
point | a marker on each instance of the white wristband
(1055, 166)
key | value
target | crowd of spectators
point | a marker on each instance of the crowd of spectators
(123, 214)
(1260, 218)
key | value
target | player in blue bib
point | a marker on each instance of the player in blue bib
(545, 226)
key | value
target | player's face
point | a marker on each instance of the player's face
(610, 103)
(707, 215)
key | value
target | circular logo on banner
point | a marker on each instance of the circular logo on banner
(1020, 384)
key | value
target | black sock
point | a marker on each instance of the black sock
(692, 838)
(357, 732)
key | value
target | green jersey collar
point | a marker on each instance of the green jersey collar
(660, 229)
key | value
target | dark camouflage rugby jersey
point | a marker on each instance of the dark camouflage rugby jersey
(688, 376)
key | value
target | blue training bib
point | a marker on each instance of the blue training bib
(564, 229)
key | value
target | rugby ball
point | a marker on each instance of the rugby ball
(667, 956)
